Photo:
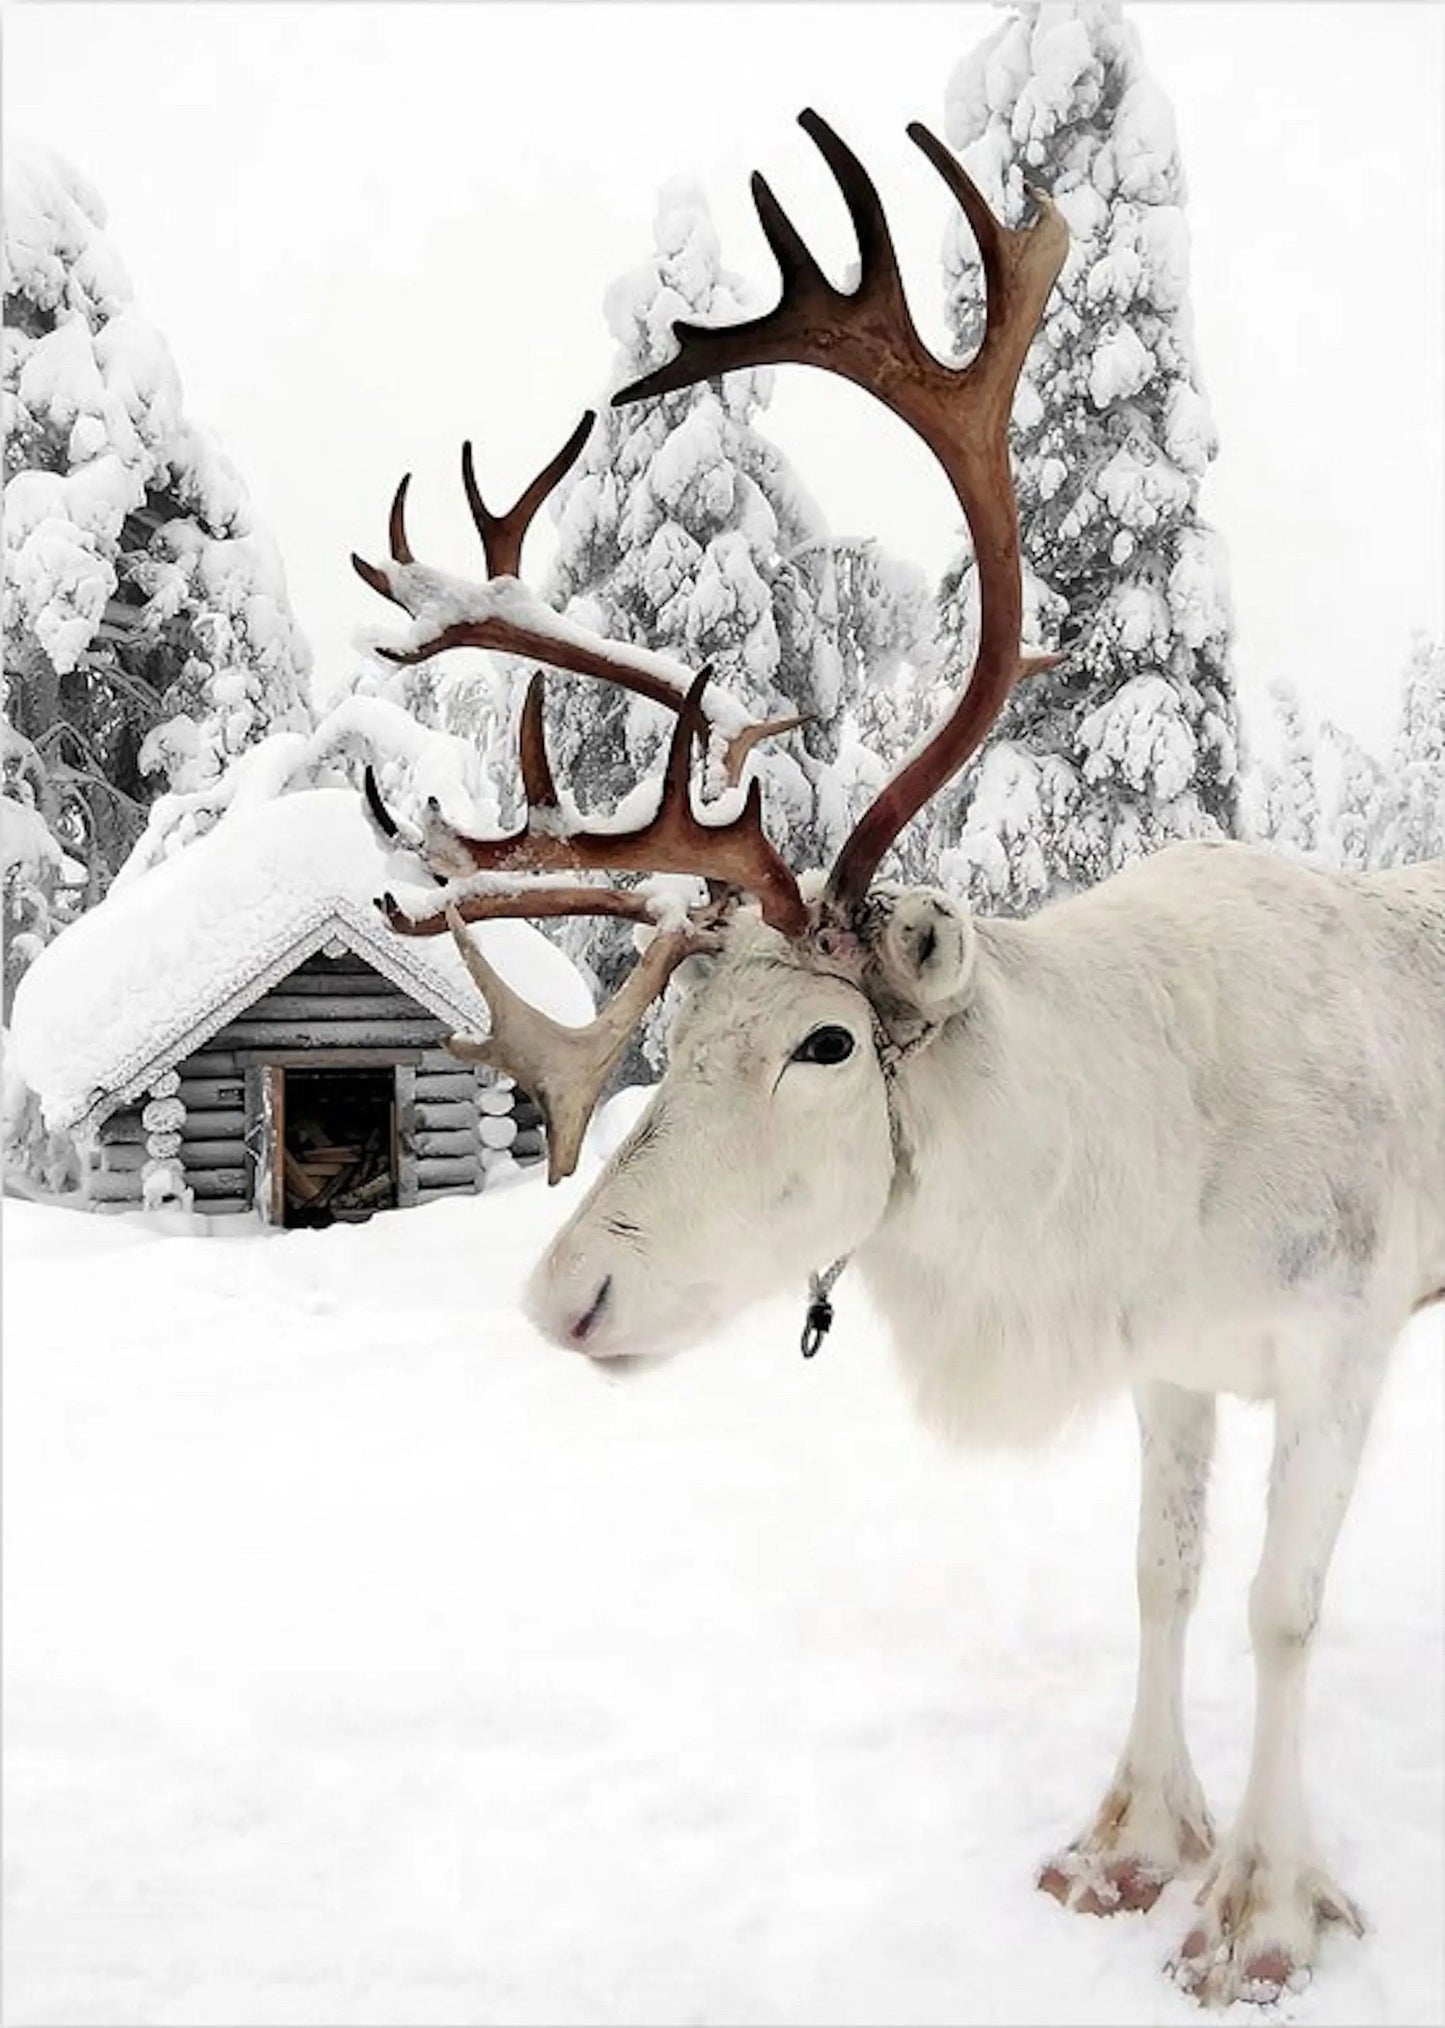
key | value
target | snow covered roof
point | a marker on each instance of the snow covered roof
(142, 980)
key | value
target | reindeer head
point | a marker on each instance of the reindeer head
(770, 1146)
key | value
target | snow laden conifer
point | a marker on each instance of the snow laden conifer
(684, 530)
(1418, 769)
(1132, 742)
(1281, 796)
(1329, 797)
(1393, 813)
(148, 635)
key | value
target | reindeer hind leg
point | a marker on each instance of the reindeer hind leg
(1267, 1899)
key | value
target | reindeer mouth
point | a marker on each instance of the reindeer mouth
(587, 1323)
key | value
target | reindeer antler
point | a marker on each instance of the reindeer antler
(736, 854)
(564, 1069)
(962, 412)
(510, 623)
(532, 871)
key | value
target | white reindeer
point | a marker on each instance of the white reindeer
(1184, 1134)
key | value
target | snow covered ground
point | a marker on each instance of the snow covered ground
(370, 1662)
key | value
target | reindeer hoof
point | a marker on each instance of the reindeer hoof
(1140, 1839)
(1092, 1885)
(1257, 1937)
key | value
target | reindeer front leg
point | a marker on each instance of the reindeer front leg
(1153, 1822)
(1266, 1898)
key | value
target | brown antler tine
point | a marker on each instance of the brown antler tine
(796, 265)
(524, 512)
(537, 781)
(483, 518)
(379, 582)
(738, 748)
(1020, 265)
(877, 260)
(396, 524)
(691, 725)
(986, 229)
(564, 1069)
(380, 818)
(503, 534)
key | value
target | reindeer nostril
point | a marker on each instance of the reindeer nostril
(588, 1321)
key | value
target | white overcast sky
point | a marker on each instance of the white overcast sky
(367, 231)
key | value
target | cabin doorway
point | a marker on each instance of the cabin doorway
(339, 1144)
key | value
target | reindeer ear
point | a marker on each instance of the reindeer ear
(925, 951)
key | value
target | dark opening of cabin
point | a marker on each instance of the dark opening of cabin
(340, 1152)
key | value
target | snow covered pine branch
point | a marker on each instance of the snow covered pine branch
(1184, 1133)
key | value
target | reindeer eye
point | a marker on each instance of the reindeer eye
(824, 1045)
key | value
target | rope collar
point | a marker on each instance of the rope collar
(890, 1053)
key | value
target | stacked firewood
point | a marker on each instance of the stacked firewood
(336, 1176)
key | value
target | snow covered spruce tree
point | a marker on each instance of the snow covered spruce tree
(1327, 796)
(1418, 764)
(1133, 741)
(1393, 814)
(148, 634)
(684, 530)
(1281, 798)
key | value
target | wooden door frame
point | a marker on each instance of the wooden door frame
(265, 1080)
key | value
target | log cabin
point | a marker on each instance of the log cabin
(236, 1031)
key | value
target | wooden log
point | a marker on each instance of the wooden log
(453, 1113)
(214, 1123)
(119, 1158)
(296, 1035)
(272, 1057)
(435, 1085)
(105, 1186)
(447, 1169)
(446, 1141)
(530, 1144)
(217, 1062)
(214, 1154)
(404, 1125)
(299, 1182)
(449, 1190)
(222, 1207)
(493, 1100)
(324, 966)
(497, 1133)
(309, 1010)
(221, 1094)
(219, 1182)
(441, 1059)
(322, 985)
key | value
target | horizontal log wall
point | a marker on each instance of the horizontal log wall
(457, 1169)
(211, 1123)
(462, 1143)
(333, 1003)
(197, 1156)
(212, 1094)
(113, 1162)
(445, 1113)
(439, 1085)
